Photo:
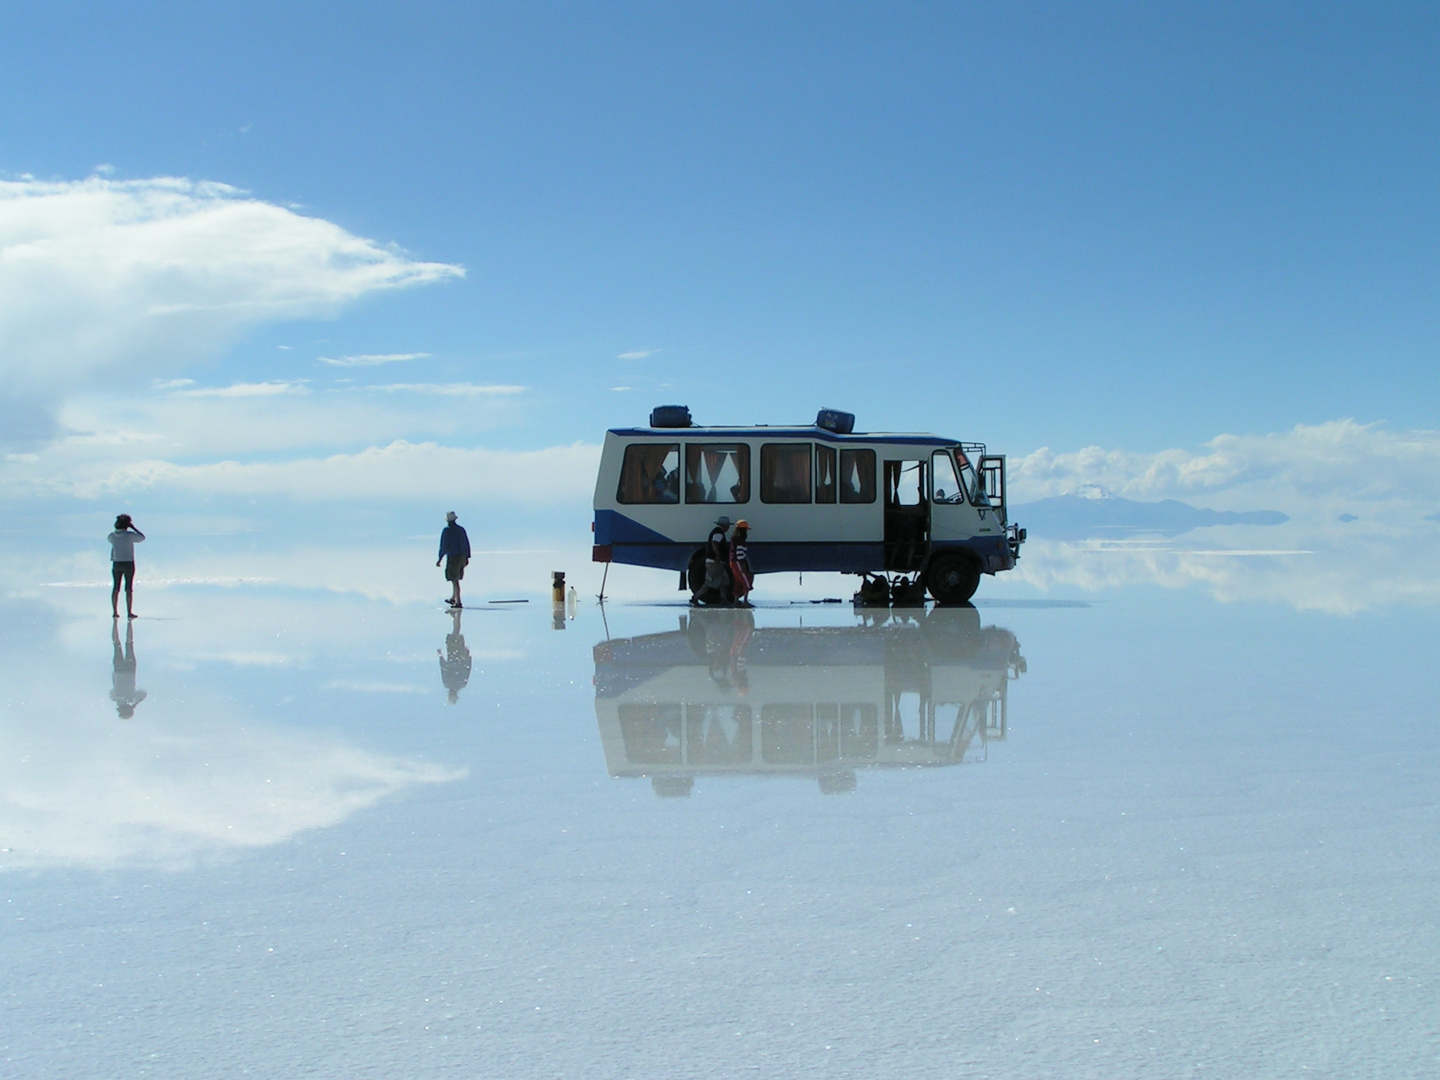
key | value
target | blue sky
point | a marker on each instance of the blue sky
(425, 253)
(1036, 224)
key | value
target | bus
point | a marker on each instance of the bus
(921, 509)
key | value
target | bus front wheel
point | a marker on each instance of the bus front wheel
(952, 578)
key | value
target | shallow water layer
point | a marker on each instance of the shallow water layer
(287, 833)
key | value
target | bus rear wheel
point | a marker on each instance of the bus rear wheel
(952, 578)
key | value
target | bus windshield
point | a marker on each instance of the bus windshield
(970, 480)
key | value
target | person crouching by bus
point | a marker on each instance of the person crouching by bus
(716, 586)
(740, 563)
(455, 551)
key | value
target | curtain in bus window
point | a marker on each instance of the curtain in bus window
(859, 731)
(652, 733)
(717, 473)
(718, 734)
(857, 476)
(785, 473)
(905, 480)
(827, 732)
(943, 478)
(824, 474)
(650, 473)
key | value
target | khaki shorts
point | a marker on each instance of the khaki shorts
(454, 567)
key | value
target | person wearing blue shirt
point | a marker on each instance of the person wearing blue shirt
(455, 552)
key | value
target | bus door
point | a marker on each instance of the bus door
(992, 475)
(907, 516)
(950, 517)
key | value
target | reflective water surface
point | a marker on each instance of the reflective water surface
(277, 832)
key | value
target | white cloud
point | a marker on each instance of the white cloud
(265, 389)
(1385, 482)
(400, 470)
(370, 359)
(105, 431)
(638, 354)
(104, 279)
(448, 389)
(1340, 459)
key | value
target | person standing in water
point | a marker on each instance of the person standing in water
(455, 552)
(740, 563)
(122, 564)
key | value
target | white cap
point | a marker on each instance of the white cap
(450, 516)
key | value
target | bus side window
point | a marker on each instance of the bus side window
(824, 474)
(650, 473)
(717, 473)
(857, 476)
(785, 472)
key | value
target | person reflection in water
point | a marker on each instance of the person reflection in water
(724, 640)
(455, 660)
(122, 678)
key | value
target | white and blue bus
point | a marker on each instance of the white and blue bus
(821, 497)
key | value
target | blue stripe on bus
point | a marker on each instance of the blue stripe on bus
(613, 527)
(764, 558)
(820, 434)
(850, 558)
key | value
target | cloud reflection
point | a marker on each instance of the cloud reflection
(178, 784)
(1301, 570)
(168, 798)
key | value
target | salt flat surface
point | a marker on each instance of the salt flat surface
(1151, 836)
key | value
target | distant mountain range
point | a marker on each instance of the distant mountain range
(1095, 516)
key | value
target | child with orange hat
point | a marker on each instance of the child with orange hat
(740, 563)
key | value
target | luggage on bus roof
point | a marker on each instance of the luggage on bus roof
(841, 423)
(670, 416)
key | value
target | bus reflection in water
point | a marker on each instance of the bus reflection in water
(719, 696)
